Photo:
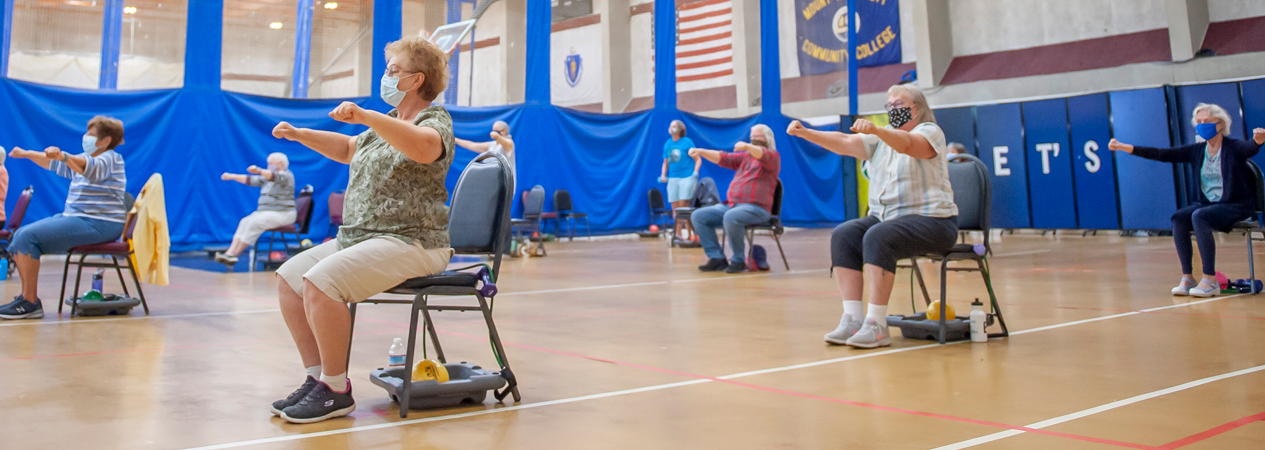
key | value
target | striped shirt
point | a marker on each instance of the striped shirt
(902, 185)
(275, 195)
(98, 192)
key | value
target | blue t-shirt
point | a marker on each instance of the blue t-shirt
(680, 164)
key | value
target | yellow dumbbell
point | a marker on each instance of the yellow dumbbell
(429, 369)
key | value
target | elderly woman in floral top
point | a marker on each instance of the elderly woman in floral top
(395, 222)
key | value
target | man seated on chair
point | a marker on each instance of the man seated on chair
(911, 209)
(276, 204)
(94, 210)
(750, 199)
(395, 222)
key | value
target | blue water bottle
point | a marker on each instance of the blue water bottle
(98, 280)
(4, 269)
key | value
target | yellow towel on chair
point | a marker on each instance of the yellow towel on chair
(151, 240)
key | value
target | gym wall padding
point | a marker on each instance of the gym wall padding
(1090, 123)
(959, 126)
(1253, 95)
(1147, 188)
(999, 131)
(1050, 185)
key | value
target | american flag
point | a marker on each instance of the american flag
(704, 48)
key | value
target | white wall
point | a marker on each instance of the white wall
(1223, 10)
(585, 41)
(487, 76)
(642, 54)
(986, 26)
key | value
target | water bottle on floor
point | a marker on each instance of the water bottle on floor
(98, 281)
(978, 318)
(396, 355)
(4, 269)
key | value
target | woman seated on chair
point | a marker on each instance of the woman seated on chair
(395, 223)
(276, 204)
(911, 209)
(94, 210)
(1225, 196)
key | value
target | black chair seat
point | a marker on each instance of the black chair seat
(446, 279)
(572, 214)
(1247, 225)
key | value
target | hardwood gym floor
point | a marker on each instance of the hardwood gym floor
(623, 344)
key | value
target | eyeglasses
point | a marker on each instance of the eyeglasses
(894, 105)
(395, 71)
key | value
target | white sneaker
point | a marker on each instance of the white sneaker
(871, 335)
(1201, 292)
(1183, 288)
(848, 326)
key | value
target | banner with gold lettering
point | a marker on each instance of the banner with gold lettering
(822, 34)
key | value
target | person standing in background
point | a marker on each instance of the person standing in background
(680, 170)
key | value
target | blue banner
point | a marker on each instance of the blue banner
(822, 34)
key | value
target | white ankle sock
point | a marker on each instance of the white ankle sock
(314, 371)
(878, 314)
(854, 308)
(337, 383)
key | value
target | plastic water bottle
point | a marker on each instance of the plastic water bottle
(978, 318)
(4, 269)
(98, 281)
(395, 356)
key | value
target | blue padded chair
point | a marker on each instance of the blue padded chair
(478, 224)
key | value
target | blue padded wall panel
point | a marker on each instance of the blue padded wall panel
(1147, 188)
(959, 126)
(1095, 167)
(1050, 184)
(999, 131)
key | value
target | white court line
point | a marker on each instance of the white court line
(1097, 409)
(295, 437)
(172, 316)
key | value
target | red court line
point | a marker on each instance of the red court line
(1214, 431)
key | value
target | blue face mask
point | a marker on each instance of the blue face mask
(89, 144)
(391, 90)
(1206, 130)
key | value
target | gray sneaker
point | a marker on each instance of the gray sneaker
(848, 326)
(871, 335)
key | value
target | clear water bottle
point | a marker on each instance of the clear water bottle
(395, 356)
(98, 281)
(978, 319)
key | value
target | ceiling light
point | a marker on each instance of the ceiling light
(275, 25)
(129, 10)
(331, 5)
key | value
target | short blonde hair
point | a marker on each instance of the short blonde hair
(768, 135)
(422, 56)
(1216, 112)
(281, 159)
(925, 114)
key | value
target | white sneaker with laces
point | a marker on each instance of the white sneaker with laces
(871, 335)
(1205, 289)
(1183, 288)
(848, 326)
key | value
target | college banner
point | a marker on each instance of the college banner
(822, 34)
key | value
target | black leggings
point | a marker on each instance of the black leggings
(1203, 219)
(869, 241)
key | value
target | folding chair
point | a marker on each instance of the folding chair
(478, 222)
(114, 249)
(566, 211)
(660, 213)
(11, 226)
(774, 227)
(1255, 224)
(533, 209)
(973, 194)
(303, 218)
(705, 194)
(335, 212)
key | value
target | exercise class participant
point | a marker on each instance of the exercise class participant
(276, 204)
(502, 143)
(680, 170)
(1225, 191)
(94, 210)
(911, 209)
(395, 223)
(749, 201)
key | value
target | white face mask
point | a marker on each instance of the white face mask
(391, 90)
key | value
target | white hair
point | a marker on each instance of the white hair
(925, 114)
(768, 135)
(281, 159)
(501, 123)
(679, 124)
(1216, 112)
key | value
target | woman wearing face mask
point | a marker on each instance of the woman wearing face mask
(276, 205)
(94, 208)
(395, 223)
(911, 209)
(1224, 191)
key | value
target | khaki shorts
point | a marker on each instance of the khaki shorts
(363, 270)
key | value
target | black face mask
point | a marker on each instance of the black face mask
(898, 117)
(759, 143)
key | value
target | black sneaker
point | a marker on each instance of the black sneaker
(714, 265)
(295, 396)
(320, 403)
(19, 308)
(736, 267)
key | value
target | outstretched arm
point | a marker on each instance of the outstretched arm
(35, 157)
(243, 179)
(755, 151)
(336, 146)
(267, 174)
(478, 147)
(710, 155)
(901, 141)
(423, 145)
(833, 141)
(1169, 155)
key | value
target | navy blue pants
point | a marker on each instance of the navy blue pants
(1202, 220)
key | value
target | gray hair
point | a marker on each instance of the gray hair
(281, 159)
(768, 135)
(679, 124)
(925, 114)
(957, 146)
(1216, 112)
(501, 123)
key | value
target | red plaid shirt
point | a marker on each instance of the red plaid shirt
(755, 179)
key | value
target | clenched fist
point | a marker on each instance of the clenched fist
(253, 169)
(348, 112)
(54, 153)
(795, 128)
(284, 130)
(1115, 145)
(693, 152)
(1258, 135)
(226, 176)
(863, 126)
